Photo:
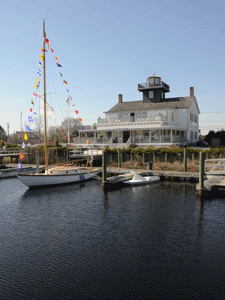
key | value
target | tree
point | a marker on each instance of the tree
(215, 135)
(3, 134)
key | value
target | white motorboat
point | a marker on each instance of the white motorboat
(139, 180)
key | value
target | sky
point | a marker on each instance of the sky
(106, 48)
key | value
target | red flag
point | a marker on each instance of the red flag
(76, 112)
(47, 41)
(21, 156)
(30, 109)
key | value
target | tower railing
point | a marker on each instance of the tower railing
(147, 85)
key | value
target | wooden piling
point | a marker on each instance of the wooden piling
(28, 155)
(119, 158)
(185, 159)
(37, 161)
(201, 172)
(104, 166)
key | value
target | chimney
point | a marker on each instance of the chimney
(120, 98)
(192, 92)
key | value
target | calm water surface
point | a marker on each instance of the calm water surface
(77, 242)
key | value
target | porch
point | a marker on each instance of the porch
(124, 138)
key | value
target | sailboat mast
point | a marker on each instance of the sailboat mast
(45, 115)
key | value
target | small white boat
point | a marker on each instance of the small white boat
(138, 179)
(13, 172)
(58, 176)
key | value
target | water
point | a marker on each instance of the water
(77, 242)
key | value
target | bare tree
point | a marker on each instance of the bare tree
(2, 134)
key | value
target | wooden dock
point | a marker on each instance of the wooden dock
(116, 176)
(192, 177)
(9, 154)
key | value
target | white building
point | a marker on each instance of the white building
(155, 120)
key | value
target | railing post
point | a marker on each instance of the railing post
(185, 159)
(201, 172)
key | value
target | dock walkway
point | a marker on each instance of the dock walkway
(192, 177)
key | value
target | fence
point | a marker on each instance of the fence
(160, 161)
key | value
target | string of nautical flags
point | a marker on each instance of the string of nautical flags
(37, 96)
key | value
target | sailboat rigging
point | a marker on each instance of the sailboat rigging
(58, 175)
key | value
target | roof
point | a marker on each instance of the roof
(171, 103)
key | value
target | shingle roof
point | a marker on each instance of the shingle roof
(173, 103)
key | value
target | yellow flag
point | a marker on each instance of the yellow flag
(25, 137)
(37, 80)
(35, 85)
(41, 56)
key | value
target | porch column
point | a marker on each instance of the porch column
(79, 137)
(94, 137)
(150, 136)
(160, 136)
(171, 136)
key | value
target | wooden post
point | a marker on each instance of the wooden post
(119, 158)
(67, 154)
(28, 155)
(104, 168)
(37, 161)
(201, 172)
(185, 159)
(153, 157)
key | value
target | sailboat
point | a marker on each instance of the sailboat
(59, 175)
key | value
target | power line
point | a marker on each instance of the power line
(212, 112)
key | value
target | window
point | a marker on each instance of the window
(172, 117)
(195, 119)
(123, 116)
(191, 135)
(191, 117)
(141, 114)
(157, 81)
(151, 94)
(196, 135)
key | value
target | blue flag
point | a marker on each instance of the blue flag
(19, 166)
(28, 128)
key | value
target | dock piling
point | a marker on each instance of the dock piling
(37, 161)
(185, 159)
(201, 172)
(119, 158)
(104, 169)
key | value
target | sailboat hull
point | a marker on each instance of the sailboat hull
(45, 180)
